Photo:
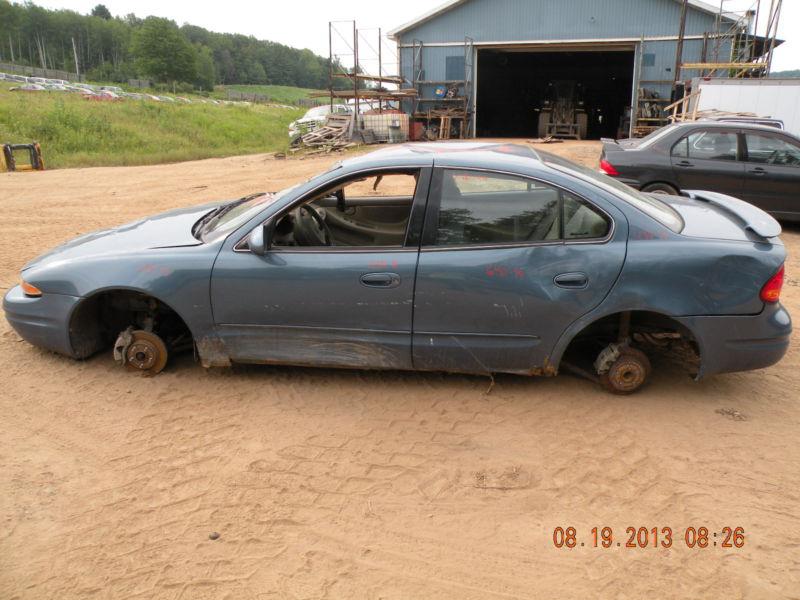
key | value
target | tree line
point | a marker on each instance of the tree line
(107, 48)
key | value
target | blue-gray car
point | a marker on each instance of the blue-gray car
(462, 257)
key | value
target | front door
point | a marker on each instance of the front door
(506, 264)
(709, 159)
(773, 174)
(336, 286)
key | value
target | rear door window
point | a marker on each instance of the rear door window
(707, 145)
(771, 150)
(480, 208)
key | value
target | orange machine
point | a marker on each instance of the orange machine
(10, 152)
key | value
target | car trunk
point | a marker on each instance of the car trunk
(717, 216)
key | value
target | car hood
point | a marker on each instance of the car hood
(167, 230)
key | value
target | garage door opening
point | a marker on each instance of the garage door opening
(513, 86)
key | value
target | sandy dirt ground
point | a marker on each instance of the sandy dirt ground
(378, 485)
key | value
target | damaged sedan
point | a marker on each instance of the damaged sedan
(460, 257)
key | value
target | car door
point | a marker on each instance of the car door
(708, 159)
(349, 304)
(772, 180)
(506, 264)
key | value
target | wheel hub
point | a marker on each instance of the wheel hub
(628, 371)
(142, 355)
(146, 352)
(627, 375)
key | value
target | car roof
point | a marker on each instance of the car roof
(729, 125)
(447, 153)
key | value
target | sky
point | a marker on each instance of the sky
(304, 24)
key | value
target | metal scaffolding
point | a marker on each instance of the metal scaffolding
(749, 38)
(346, 61)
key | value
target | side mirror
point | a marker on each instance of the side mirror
(260, 239)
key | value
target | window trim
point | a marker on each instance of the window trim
(427, 242)
(410, 243)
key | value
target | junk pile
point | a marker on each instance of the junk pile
(333, 135)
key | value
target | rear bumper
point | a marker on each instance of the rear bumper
(42, 321)
(741, 343)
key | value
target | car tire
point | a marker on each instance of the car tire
(628, 373)
(660, 188)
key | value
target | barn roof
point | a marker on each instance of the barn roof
(450, 4)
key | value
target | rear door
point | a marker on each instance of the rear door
(506, 264)
(773, 173)
(709, 159)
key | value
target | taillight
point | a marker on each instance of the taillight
(608, 168)
(771, 292)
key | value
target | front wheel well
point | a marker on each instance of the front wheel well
(653, 332)
(98, 319)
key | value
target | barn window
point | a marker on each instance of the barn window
(454, 68)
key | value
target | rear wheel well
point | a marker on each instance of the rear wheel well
(660, 186)
(653, 332)
(98, 319)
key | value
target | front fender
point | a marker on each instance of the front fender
(178, 277)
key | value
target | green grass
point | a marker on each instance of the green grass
(74, 132)
(281, 94)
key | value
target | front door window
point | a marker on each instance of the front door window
(366, 211)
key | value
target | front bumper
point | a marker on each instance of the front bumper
(42, 321)
(741, 343)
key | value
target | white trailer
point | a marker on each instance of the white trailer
(771, 98)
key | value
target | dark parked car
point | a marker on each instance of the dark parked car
(461, 257)
(757, 163)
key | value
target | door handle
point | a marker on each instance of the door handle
(571, 280)
(381, 280)
(758, 171)
(684, 163)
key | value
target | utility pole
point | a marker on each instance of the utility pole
(330, 61)
(380, 71)
(355, 76)
(776, 17)
(679, 49)
(75, 54)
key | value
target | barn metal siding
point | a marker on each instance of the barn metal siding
(490, 22)
(434, 61)
(519, 20)
(656, 77)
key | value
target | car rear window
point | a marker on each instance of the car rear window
(649, 205)
(653, 137)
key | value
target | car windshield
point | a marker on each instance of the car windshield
(318, 111)
(649, 205)
(228, 217)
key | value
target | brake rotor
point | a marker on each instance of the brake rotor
(628, 372)
(147, 352)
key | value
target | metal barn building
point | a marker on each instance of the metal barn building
(500, 56)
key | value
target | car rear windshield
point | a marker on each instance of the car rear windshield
(649, 205)
(652, 138)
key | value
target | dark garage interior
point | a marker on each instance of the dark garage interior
(512, 84)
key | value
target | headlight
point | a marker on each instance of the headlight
(30, 290)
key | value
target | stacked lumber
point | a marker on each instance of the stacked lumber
(334, 134)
